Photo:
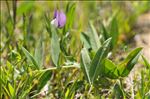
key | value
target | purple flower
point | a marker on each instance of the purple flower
(59, 19)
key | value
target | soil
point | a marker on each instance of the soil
(142, 38)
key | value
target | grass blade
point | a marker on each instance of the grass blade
(104, 32)
(45, 77)
(30, 58)
(70, 10)
(118, 92)
(86, 40)
(11, 90)
(114, 32)
(146, 62)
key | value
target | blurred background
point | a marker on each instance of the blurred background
(20, 16)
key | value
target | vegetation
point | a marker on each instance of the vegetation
(72, 54)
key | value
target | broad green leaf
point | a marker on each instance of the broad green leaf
(55, 46)
(11, 90)
(110, 69)
(45, 77)
(39, 51)
(114, 32)
(30, 58)
(86, 40)
(94, 40)
(126, 66)
(85, 63)
(97, 63)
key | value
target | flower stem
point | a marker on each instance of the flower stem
(62, 67)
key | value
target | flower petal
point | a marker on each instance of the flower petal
(61, 19)
(54, 22)
(55, 14)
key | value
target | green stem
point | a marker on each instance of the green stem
(91, 87)
(120, 80)
(62, 67)
(8, 8)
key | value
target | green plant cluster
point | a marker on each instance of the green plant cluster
(40, 61)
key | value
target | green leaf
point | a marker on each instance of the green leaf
(63, 45)
(30, 58)
(76, 85)
(6, 90)
(85, 63)
(47, 24)
(146, 62)
(39, 51)
(97, 63)
(104, 32)
(15, 56)
(118, 92)
(10, 67)
(114, 32)
(110, 69)
(11, 90)
(94, 40)
(86, 40)
(70, 10)
(126, 66)
(45, 77)
(55, 46)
